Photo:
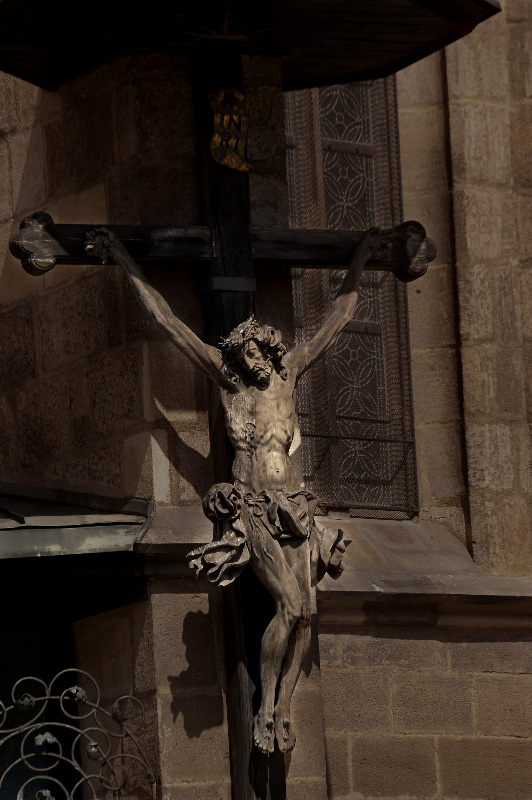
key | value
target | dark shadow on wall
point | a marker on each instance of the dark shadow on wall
(66, 153)
(384, 629)
(196, 691)
(195, 468)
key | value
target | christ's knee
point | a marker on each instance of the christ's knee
(304, 617)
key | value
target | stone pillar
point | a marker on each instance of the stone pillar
(465, 159)
(432, 314)
(489, 143)
(168, 651)
(519, 43)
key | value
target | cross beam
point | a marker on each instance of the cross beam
(40, 244)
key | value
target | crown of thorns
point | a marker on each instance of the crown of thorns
(242, 333)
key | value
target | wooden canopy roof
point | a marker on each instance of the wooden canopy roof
(49, 42)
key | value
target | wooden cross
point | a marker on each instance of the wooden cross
(40, 244)
(231, 247)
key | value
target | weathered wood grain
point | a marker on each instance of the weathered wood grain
(40, 244)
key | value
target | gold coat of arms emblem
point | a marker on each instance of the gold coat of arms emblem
(231, 123)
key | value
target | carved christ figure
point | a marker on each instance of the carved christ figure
(265, 516)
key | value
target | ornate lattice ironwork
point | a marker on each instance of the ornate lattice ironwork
(57, 742)
(355, 405)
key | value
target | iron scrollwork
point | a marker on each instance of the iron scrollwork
(57, 741)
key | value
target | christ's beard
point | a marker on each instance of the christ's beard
(261, 372)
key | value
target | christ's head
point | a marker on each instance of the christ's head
(256, 361)
(253, 351)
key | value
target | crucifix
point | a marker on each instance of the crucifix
(231, 247)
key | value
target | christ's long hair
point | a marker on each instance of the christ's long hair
(266, 336)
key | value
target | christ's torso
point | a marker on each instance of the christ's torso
(260, 423)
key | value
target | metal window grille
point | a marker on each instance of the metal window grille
(354, 406)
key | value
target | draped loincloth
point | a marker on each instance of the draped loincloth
(246, 524)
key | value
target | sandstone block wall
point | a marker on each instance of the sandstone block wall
(76, 401)
(426, 712)
(432, 309)
(465, 157)
(168, 652)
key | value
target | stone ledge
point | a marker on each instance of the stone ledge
(174, 528)
(397, 572)
(174, 532)
(418, 573)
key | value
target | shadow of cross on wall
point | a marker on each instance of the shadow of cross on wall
(201, 674)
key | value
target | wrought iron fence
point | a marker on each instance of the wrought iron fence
(58, 742)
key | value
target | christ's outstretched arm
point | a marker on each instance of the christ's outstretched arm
(106, 244)
(303, 355)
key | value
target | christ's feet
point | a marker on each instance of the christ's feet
(263, 733)
(284, 733)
